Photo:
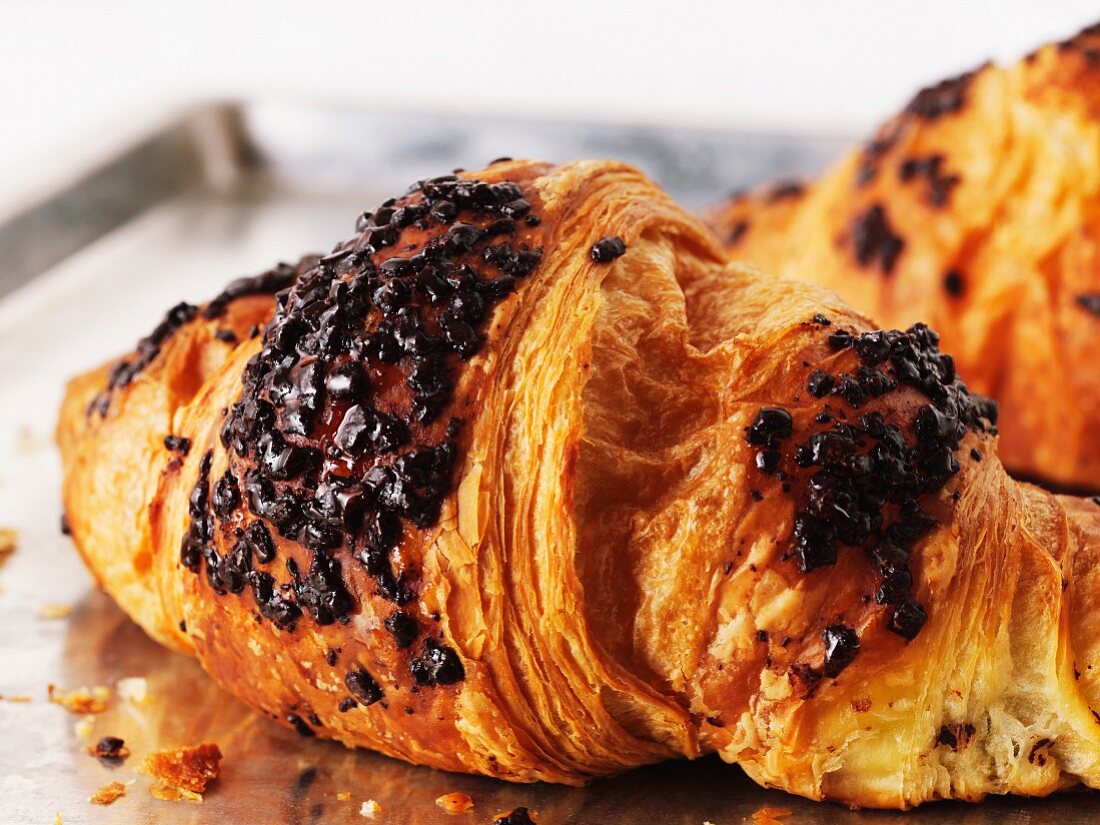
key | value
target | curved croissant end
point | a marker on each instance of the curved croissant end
(976, 210)
(523, 480)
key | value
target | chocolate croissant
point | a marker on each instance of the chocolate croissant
(977, 211)
(525, 480)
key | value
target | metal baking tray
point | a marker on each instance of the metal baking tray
(224, 190)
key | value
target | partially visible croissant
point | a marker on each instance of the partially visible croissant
(977, 211)
(524, 480)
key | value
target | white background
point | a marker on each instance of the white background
(73, 73)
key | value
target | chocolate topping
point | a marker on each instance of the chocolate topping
(859, 483)
(266, 283)
(338, 441)
(148, 348)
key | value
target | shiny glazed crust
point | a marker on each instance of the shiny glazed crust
(976, 211)
(662, 532)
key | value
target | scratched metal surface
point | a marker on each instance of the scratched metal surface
(227, 190)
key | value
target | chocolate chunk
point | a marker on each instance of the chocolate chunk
(258, 540)
(785, 190)
(346, 381)
(907, 619)
(148, 348)
(930, 167)
(177, 444)
(815, 542)
(403, 628)
(109, 747)
(437, 665)
(770, 424)
(606, 250)
(227, 495)
(363, 687)
(875, 241)
(820, 384)
(737, 232)
(269, 282)
(841, 647)
(273, 605)
(944, 98)
(1090, 302)
(299, 725)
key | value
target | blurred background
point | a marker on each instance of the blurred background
(79, 71)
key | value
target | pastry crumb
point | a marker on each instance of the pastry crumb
(182, 773)
(83, 728)
(369, 809)
(57, 819)
(80, 700)
(15, 698)
(52, 610)
(108, 793)
(8, 538)
(134, 689)
(769, 816)
(344, 796)
(455, 803)
(168, 793)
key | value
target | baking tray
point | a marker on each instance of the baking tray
(224, 190)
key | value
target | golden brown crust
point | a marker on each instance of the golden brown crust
(692, 509)
(975, 211)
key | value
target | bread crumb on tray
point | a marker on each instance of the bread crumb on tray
(8, 539)
(455, 803)
(108, 793)
(80, 700)
(54, 611)
(369, 809)
(134, 689)
(182, 773)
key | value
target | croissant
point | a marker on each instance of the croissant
(977, 211)
(525, 480)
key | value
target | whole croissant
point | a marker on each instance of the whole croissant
(977, 211)
(524, 480)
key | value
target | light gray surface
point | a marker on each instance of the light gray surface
(244, 188)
